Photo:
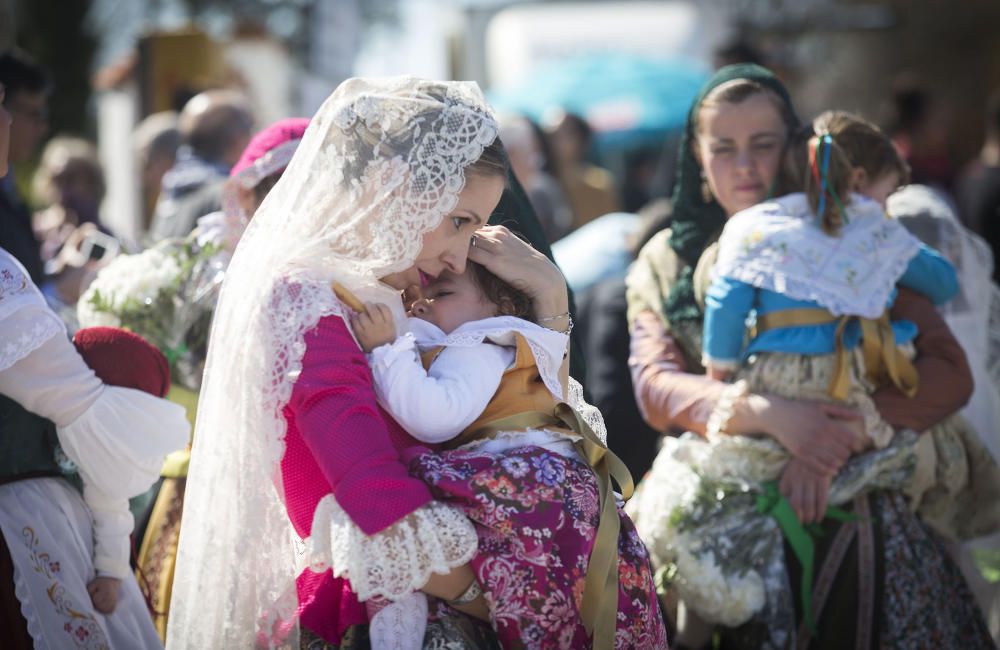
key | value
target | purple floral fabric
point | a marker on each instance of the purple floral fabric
(536, 513)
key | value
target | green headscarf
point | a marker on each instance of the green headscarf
(516, 212)
(695, 221)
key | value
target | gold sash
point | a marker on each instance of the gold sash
(599, 607)
(882, 358)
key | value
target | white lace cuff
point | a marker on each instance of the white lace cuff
(395, 561)
(723, 411)
(400, 625)
(113, 522)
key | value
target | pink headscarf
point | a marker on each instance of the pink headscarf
(269, 151)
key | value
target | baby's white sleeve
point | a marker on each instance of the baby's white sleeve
(117, 437)
(52, 381)
(436, 406)
(113, 524)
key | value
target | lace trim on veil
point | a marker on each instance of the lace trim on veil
(974, 314)
(590, 413)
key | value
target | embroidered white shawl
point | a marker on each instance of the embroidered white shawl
(779, 245)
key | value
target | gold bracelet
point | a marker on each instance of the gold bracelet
(471, 593)
(569, 323)
(556, 317)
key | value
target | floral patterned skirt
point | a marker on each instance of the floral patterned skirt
(884, 580)
(887, 584)
(49, 536)
(536, 513)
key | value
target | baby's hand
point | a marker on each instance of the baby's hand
(374, 326)
(103, 592)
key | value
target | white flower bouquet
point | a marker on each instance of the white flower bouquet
(167, 295)
(704, 509)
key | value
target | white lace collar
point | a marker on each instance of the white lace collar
(547, 345)
(16, 287)
(778, 245)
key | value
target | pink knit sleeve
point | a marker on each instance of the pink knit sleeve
(334, 411)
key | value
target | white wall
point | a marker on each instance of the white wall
(523, 37)
(117, 114)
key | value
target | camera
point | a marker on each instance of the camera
(97, 245)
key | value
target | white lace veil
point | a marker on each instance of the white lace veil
(381, 163)
(974, 314)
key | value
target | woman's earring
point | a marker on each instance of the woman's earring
(706, 191)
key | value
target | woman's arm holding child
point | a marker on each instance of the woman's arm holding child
(932, 275)
(113, 523)
(945, 378)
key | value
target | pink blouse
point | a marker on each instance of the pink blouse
(340, 441)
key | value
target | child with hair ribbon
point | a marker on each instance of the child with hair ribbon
(818, 270)
(813, 274)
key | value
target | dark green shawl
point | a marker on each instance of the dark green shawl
(516, 212)
(695, 222)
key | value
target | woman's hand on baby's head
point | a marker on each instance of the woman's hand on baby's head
(374, 326)
(516, 262)
(103, 592)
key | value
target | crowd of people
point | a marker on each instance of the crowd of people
(331, 398)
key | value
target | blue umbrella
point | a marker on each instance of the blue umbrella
(629, 100)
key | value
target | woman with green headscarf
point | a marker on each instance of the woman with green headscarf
(880, 578)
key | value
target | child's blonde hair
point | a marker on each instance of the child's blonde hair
(840, 143)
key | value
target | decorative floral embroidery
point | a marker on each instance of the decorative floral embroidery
(774, 246)
(925, 600)
(81, 627)
(17, 347)
(536, 514)
(11, 283)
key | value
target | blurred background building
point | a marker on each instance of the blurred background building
(628, 68)
(591, 96)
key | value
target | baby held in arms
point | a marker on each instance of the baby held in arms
(476, 376)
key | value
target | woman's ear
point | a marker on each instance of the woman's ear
(859, 180)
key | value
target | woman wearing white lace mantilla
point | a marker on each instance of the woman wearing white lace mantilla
(392, 179)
